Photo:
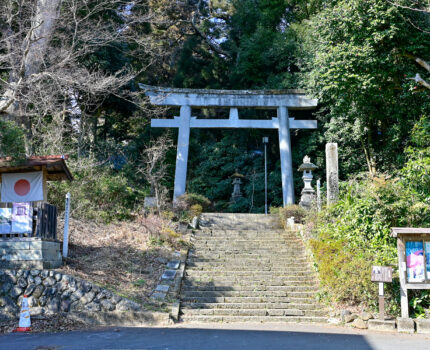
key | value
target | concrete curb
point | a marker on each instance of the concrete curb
(118, 318)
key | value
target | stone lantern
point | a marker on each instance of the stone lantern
(308, 198)
(237, 181)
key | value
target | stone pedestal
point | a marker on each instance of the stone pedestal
(423, 326)
(382, 325)
(29, 253)
(405, 325)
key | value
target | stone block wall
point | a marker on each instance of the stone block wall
(51, 292)
(29, 252)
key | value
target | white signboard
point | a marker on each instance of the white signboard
(5, 220)
(22, 218)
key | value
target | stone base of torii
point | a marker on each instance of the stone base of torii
(186, 99)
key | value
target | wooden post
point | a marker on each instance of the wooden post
(45, 185)
(402, 277)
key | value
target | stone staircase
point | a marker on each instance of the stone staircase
(246, 268)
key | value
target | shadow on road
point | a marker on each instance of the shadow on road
(189, 338)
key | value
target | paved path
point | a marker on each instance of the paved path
(222, 337)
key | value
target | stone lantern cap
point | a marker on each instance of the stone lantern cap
(307, 165)
(237, 175)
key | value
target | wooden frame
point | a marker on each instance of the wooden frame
(403, 235)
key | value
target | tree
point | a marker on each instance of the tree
(355, 56)
(51, 64)
(154, 167)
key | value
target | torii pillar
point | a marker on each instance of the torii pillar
(281, 100)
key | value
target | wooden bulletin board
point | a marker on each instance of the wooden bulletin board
(413, 249)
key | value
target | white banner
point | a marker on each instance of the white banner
(22, 218)
(22, 187)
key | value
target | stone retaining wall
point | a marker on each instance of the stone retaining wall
(51, 292)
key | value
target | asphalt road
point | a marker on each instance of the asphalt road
(225, 337)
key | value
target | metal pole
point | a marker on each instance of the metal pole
(66, 226)
(265, 178)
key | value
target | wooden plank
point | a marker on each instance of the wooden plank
(395, 231)
(418, 285)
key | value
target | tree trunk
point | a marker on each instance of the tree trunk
(33, 50)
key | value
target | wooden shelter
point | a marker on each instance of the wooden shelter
(35, 244)
(54, 168)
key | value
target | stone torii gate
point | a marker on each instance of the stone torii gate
(281, 100)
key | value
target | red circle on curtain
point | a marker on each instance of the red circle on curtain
(22, 187)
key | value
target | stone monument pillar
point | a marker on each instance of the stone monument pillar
(332, 170)
(308, 198)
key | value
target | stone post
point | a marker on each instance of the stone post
(332, 170)
(319, 195)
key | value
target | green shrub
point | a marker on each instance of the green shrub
(345, 275)
(293, 210)
(196, 210)
(189, 205)
(354, 234)
(189, 199)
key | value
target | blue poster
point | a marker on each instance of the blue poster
(5, 220)
(415, 261)
(427, 250)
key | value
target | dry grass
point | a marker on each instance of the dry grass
(126, 257)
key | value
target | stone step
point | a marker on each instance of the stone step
(287, 271)
(245, 257)
(256, 319)
(242, 235)
(248, 227)
(246, 267)
(246, 245)
(198, 286)
(244, 299)
(232, 249)
(263, 275)
(281, 280)
(254, 312)
(265, 260)
(248, 285)
(211, 220)
(197, 283)
(257, 259)
(304, 304)
(244, 293)
(251, 312)
(240, 285)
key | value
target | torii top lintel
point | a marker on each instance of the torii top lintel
(292, 99)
